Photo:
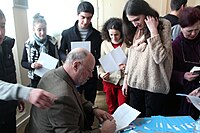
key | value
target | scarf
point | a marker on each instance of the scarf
(41, 43)
(139, 41)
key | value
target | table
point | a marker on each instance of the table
(161, 124)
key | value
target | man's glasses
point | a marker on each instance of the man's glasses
(88, 69)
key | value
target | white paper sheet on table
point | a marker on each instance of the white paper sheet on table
(194, 100)
(111, 61)
(48, 62)
(81, 44)
(124, 115)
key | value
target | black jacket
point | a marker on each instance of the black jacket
(72, 35)
(8, 74)
(7, 64)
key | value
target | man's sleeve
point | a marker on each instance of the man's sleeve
(9, 91)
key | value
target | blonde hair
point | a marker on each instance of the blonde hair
(2, 14)
(37, 18)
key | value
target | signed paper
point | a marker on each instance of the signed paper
(48, 62)
(194, 100)
(124, 115)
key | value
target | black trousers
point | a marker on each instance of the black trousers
(8, 125)
(148, 103)
(34, 82)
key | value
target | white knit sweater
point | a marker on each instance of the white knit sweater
(151, 68)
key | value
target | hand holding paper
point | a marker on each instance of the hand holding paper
(48, 62)
(124, 115)
(195, 70)
(194, 100)
(111, 61)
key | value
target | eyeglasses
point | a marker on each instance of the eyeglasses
(88, 69)
(194, 52)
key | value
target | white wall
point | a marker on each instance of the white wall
(114, 8)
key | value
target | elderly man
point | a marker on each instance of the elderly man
(70, 109)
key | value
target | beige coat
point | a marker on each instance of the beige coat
(118, 76)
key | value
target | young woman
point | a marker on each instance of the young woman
(39, 42)
(112, 82)
(149, 64)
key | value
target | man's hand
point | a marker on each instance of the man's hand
(102, 115)
(108, 126)
(41, 98)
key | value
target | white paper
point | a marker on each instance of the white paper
(119, 56)
(108, 63)
(81, 44)
(195, 68)
(48, 62)
(124, 115)
(194, 100)
(111, 61)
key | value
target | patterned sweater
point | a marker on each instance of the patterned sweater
(151, 68)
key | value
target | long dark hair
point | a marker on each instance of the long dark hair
(135, 8)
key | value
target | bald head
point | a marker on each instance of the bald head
(79, 64)
(78, 54)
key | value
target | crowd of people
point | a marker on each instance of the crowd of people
(158, 66)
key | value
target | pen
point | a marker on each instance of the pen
(128, 129)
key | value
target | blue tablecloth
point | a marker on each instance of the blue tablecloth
(161, 124)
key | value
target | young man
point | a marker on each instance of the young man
(7, 74)
(176, 7)
(83, 31)
(69, 113)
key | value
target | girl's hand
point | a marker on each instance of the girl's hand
(152, 24)
(105, 76)
(125, 89)
(36, 65)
